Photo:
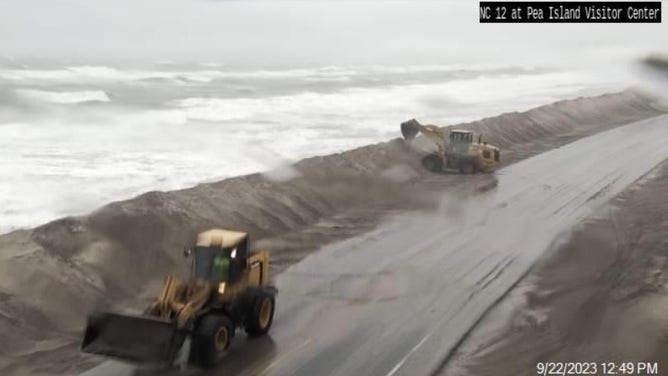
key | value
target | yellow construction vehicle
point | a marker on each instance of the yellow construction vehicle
(458, 151)
(194, 320)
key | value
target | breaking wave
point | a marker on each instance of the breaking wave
(163, 128)
(64, 97)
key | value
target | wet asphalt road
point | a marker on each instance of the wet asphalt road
(397, 300)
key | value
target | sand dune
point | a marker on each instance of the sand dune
(53, 275)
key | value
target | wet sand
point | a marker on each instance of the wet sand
(601, 296)
(53, 275)
(398, 299)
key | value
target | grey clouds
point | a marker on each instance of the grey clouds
(298, 33)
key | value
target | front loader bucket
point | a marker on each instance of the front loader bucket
(410, 128)
(139, 339)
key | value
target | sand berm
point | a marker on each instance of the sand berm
(52, 276)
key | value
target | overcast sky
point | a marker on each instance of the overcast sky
(255, 33)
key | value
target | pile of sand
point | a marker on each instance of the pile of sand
(52, 276)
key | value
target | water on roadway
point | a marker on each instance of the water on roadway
(397, 300)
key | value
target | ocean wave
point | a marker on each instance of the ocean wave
(64, 97)
(103, 73)
(212, 71)
(440, 100)
(71, 160)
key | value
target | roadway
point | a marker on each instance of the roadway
(397, 300)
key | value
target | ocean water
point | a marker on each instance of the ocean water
(73, 138)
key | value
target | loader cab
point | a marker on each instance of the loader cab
(220, 256)
(461, 136)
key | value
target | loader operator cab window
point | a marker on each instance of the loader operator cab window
(220, 270)
(216, 264)
(461, 137)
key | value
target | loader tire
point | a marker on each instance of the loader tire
(212, 337)
(433, 163)
(261, 315)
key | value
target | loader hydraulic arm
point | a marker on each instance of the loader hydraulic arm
(180, 300)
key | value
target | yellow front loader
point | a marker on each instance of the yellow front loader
(458, 151)
(194, 320)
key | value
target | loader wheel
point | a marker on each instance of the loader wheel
(261, 315)
(433, 163)
(213, 336)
